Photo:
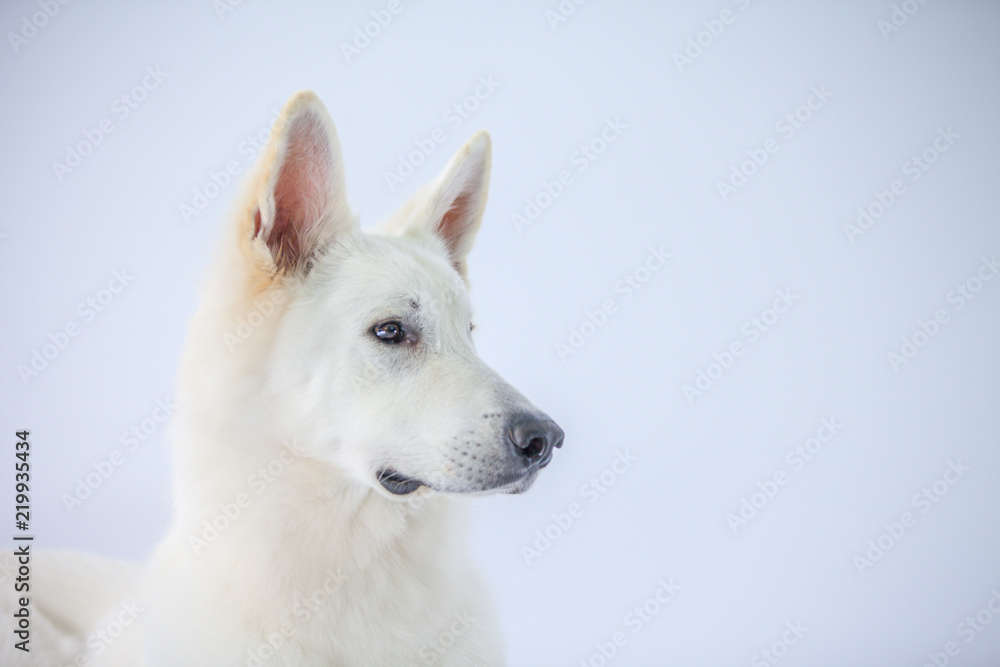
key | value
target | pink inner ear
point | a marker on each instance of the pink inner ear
(301, 191)
(455, 222)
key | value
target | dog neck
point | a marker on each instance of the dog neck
(302, 551)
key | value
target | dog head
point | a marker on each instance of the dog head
(372, 363)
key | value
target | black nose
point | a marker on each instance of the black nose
(533, 438)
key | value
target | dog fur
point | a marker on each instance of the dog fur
(323, 450)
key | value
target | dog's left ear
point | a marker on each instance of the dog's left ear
(301, 201)
(457, 198)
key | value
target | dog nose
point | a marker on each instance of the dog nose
(532, 439)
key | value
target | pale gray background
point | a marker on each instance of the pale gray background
(655, 185)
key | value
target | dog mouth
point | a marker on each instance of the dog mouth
(521, 484)
(397, 483)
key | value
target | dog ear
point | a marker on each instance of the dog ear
(457, 198)
(301, 202)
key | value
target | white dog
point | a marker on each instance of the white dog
(331, 410)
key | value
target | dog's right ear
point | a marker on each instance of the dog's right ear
(301, 203)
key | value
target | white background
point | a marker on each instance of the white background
(224, 73)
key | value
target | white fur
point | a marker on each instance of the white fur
(279, 438)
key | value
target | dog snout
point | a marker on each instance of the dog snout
(532, 439)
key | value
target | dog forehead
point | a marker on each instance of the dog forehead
(401, 271)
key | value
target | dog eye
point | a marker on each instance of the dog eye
(390, 332)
